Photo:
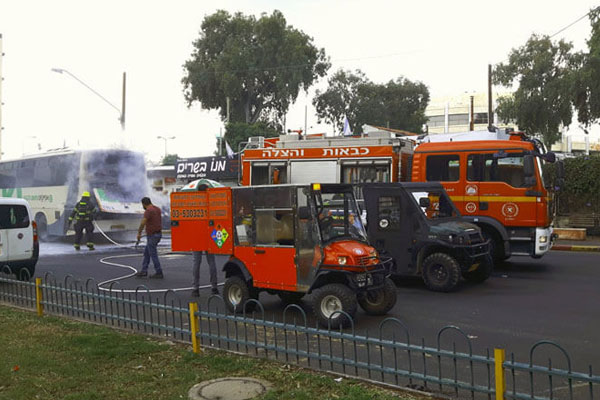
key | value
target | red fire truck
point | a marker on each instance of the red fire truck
(496, 183)
(288, 240)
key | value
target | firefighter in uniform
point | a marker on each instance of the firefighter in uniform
(83, 214)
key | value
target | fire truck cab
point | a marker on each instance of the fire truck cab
(496, 184)
(289, 240)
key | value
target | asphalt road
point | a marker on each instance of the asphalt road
(525, 301)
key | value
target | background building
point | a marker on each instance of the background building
(450, 114)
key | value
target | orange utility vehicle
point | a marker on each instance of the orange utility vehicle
(289, 240)
(496, 183)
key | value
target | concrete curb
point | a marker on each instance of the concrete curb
(569, 247)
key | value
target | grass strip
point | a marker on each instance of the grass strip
(55, 358)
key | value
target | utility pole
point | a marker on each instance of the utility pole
(472, 112)
(227, 120)
(305, 120)
(122, 119)
(490, 111)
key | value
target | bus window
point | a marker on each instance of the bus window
(444, 168)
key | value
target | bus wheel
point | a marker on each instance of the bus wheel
(42, 226)
(236, 293)
(331, 298)
(379, 301)
(481, 273)
(441, 272)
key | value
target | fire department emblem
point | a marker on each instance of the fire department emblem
(471, 190)
(510, 210)
(470, 207)
(219, 236)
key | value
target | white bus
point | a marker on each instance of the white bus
(53, 182)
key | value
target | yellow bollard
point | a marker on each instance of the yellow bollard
(194, 327)
(38, 297)
(499, 357)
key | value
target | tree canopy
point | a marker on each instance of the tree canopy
(399, 104)
(259, 64)
(239, 132)
(586, 83)
(169, 159)
(544, 72)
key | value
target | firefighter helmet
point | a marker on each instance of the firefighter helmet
(85, 194)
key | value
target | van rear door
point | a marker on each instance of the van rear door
(15, 227)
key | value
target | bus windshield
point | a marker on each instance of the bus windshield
(116, 174)
(339, 217)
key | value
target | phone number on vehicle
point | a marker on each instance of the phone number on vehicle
(189, 214)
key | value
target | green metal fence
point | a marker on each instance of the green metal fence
(389, 355)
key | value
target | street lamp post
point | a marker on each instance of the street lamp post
(165, 139)
(120, 110)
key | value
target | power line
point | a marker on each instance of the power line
(574, 22)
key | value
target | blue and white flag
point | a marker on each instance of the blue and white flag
(346, 131)
(230, 153)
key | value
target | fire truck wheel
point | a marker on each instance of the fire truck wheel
(441, 272)
(496, 246)
(481, 273)
(379, 301)
(236, 293)
(331, 298)
(290, 297)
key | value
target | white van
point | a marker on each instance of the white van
(19, 244)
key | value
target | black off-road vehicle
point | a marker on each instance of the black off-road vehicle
(420, 228)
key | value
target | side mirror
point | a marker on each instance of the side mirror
(424, 202)
(303, 213)
(549, 157)
(529, 170)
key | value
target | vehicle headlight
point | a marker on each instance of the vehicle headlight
(543, 239)
(342, 260)
(455, 239)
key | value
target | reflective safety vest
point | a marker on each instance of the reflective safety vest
(84, 211)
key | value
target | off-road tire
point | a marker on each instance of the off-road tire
(290, 297)
(481, 273)
(441, 272)
(329, 297)
(236, 292)
(379, 301)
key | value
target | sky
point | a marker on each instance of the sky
(446, 45)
